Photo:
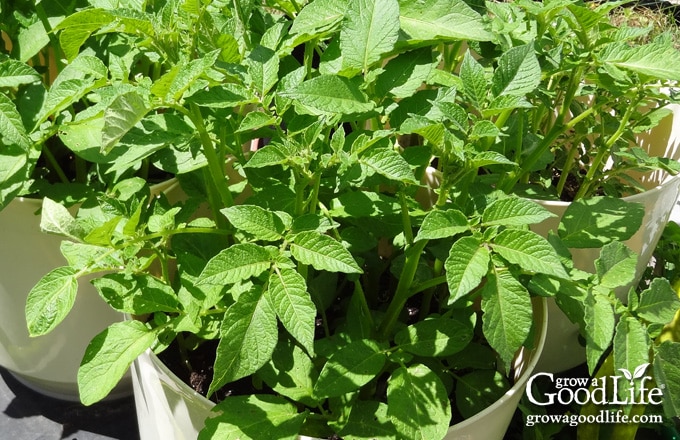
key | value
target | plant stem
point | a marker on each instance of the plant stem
(300, 183)
(183, 354)
(603, 153)
(54, 42)
(406, 219)
(215, 167)
(366, 311)
(213, 200)
(568, 164)
(308, 57)
(165, 272)
(628, 431)
(557, 129)
(170, 233)
(324, 317)
(403, 291)
(55, 164)
(426, 303)
(592, 430)
(296, 6)
(241, 22)
(313, 200)
(432, 282)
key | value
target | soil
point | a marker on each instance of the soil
(571, 186)
(197, 372)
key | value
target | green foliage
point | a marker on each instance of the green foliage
(302, 256)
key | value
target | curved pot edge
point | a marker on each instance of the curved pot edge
(525, 362)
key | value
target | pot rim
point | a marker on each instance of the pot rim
(668, 182)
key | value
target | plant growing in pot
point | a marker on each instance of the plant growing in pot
(40, 97)
(342, 305)
(280, 252)
(591, 118)
(652, 321)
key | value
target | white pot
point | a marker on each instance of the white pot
(48, 364)
(563, 350)
(168, 409)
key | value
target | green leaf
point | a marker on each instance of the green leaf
(223, 96)
(484, 129)
(616, 265)
(330, 94)
(16, 161)
(387, 162)
(254, 121)
(120, 117)
(350, 368)
(418, 403)
(368, 420)
(530, 251)
(261, 223)
(475, 84)
(596, 221)
(503, 103)
(178, 80)
(429, 20)
(370, 29)
(435, 337)
(63, 94)
(137, 293)
(12, 130)
(267, 156)
(466, 266)
(508, 314)
(442, 224)
(253, 417)
(81, 256)
(263, 68)
(364, 204)
(293, 305)
(15, 172)
(77, 28)
(50, 300)
(660, 61)
(313, 222)
(108, 357)
(248, 337)
(323, 252)
(236, 263)
(631, 349)
(14, 73)
(667, 373)
(319, 16)
(83, 66)
(56, 219)
(659, 302)
(404, 74)
(518, 72)
(600, 324)
(486, 158)
(478, 390)
(514, 211)
(586, 17)
(291, 372)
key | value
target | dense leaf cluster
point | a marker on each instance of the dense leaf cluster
(361, 301)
